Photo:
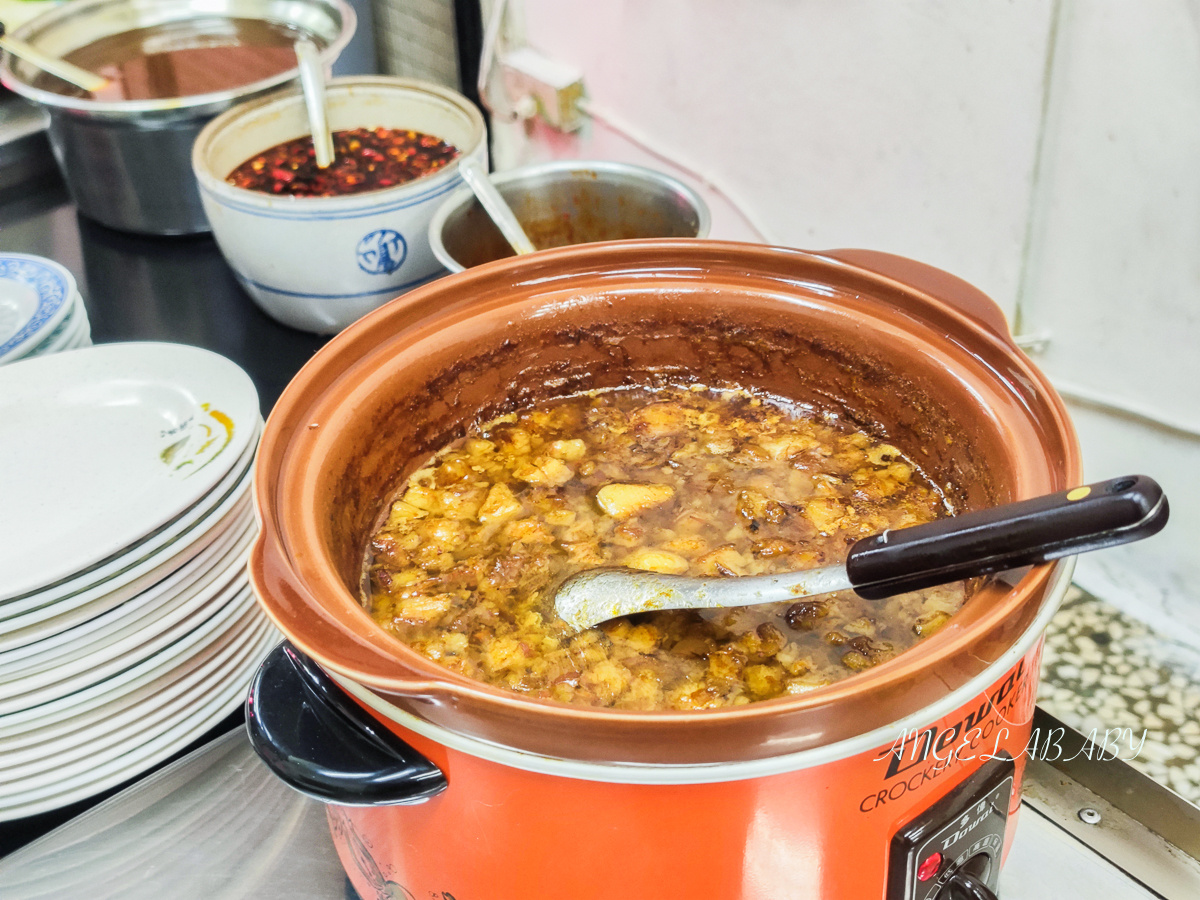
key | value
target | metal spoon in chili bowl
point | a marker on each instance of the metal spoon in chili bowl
(1029, 532)
(312, 82)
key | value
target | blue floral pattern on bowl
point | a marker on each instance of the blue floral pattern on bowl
(52, 289)
(381, 252)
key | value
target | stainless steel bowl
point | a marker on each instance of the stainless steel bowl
(127, 163)
(568, 202)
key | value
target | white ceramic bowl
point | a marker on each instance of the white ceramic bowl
(318, 263)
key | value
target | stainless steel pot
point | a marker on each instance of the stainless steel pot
(568, 202)
(127, 163)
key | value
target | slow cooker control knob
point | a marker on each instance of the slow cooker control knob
(952, 849)
(967, 881)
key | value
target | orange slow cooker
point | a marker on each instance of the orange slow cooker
(901, 781)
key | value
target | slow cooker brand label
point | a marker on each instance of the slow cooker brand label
(359, 859)
(980, 733)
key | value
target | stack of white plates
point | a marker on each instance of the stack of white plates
(40, 308)
(127, 625)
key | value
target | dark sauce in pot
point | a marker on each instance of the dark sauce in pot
(182, 59)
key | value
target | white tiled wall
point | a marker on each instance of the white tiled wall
(1046, 150)
(1113, 274)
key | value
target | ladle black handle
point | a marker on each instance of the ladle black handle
(1098, 515)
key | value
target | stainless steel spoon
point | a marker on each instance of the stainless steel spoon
(89, 81)
(312, 82)
(1005, 537)
(495, 206)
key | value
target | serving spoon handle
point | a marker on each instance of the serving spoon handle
(1028, 532)
(82, 78)
(312, 83)
(495, 206)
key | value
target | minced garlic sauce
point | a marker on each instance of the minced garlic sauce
(683, 481)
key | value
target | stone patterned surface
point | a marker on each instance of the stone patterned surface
(1102, 669)
(416, 39)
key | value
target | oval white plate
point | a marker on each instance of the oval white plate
(202, 622)
(47, 760)
(182, 567)
(167, 699)
(61, 336)
(104, 445)
(87, 769)
(70, 331)
(143, 565)
(108, 703)
(130, 679)
(179, 614)
(129, 753)
(116, 571)
(213, 567)
(117, 623)
(129, 759)
(192, 562)
(35, 295)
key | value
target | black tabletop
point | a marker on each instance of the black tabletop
(138, 288)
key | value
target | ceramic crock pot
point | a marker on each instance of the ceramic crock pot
(901, 781)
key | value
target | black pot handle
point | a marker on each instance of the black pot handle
(1034, 531)
(315, 738)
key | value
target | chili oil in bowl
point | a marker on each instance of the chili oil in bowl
(318, 249)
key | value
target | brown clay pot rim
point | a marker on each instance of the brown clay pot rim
(286, 559)
(735, 770)
(444, 681)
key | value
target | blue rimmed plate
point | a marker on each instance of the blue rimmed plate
(36, 294)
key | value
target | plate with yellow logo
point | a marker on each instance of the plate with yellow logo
(106, 445)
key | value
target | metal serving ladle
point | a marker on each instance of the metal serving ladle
(312, 82)
(89, 81)
(1098, 515)
(495, 206)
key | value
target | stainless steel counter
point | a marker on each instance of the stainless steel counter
(218, 824)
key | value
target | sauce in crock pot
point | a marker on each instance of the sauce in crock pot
(686, 481)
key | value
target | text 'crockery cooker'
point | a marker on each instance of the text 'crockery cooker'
(900, 782)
